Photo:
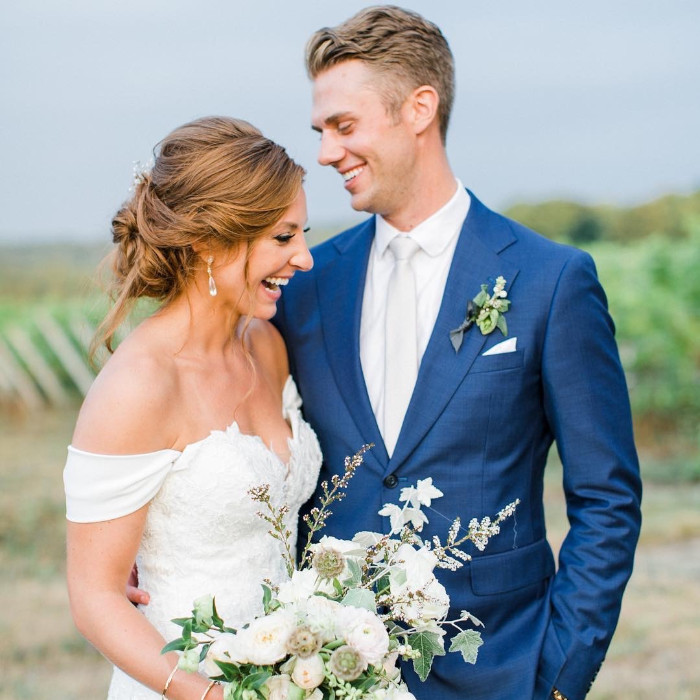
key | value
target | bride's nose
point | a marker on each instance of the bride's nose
(301, 257)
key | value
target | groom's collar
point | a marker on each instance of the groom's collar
(435, 233)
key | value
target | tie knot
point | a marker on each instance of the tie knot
(403, 247)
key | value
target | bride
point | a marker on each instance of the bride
(194, 407)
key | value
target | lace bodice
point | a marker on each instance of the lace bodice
(202, 534)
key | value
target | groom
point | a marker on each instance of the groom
(478, 417)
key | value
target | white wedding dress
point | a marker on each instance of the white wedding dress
(202, 533)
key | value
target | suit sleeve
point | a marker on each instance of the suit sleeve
(587, 405)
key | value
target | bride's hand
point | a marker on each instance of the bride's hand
(133, 592)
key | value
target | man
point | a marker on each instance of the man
(478, 417)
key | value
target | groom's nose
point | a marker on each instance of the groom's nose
(330, 151)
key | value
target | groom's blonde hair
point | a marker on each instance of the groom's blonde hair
(403, 49)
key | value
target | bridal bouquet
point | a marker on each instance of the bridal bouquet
(338, 626)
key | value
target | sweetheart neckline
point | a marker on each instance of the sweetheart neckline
(291, 440)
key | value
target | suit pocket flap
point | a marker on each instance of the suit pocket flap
(508, 571)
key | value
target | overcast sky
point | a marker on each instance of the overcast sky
(596, 101)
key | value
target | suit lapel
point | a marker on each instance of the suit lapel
(476, 261)
(340, 292)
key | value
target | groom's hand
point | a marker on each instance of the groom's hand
(133, 592)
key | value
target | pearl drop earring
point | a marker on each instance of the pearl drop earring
(212, 284)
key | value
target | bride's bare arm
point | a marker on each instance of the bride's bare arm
(127, 412)
(100, 557)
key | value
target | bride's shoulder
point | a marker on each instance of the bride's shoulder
(127, 408)
(267, 347)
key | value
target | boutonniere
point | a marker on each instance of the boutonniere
(486, 311)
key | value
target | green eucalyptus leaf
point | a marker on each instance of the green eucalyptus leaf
(253, 681)
(267, 598)
(216, 620)
(180, 621)
(178, 644)
(482, 297)
(502, 325)
(187, 629)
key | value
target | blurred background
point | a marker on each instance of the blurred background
(577, 120)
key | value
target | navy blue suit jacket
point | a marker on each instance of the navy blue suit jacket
(482, 426)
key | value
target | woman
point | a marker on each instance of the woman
(193, 408)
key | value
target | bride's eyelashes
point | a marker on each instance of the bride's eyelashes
(287, 236)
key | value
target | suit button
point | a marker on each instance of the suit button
(391, 481)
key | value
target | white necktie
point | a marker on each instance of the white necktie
(400, 347)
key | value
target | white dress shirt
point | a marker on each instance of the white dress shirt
(437, 237)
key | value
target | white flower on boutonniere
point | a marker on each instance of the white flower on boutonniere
(486, 310)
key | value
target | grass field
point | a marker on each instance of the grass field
(654, 653)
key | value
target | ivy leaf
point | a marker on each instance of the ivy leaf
(360, 598)
(467, 642)
(429, 646)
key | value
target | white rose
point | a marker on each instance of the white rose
(390, 667)
(433, 606)
(308, 673)
(224, 648)
(264, 641)
(302, 585)
(278, 687)
(399, 693)
(365, 633)
(322, 617)
(438, 603)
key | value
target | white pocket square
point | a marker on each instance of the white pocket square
(506, 346)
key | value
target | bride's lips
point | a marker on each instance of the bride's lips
(272, 286)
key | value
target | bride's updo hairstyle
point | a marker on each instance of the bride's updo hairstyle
(217, 183)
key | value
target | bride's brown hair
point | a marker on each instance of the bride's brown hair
(216, 182)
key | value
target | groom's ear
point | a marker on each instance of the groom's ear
(423, 105)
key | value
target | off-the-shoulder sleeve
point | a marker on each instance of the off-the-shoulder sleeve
(291, 401)
(102, 487)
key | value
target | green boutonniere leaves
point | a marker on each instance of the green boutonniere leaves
(486, 310)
